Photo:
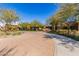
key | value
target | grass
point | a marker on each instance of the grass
(11, 33)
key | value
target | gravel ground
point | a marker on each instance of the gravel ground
(65, 46)
(27, 44)
(38, 44)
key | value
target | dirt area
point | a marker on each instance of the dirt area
(65, 46)
(27, 44)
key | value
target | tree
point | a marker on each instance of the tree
(65, 12)
(25, 26)
(69, 11)
(54, 22)
(77, 18)
(36, 23)
(8, 17)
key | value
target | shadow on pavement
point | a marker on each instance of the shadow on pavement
(65, 41)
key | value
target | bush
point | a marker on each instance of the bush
(2, 33)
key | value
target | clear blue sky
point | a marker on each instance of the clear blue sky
(33, 11)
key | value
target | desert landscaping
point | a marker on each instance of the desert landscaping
(31, 30)
(34, 44)
(43, 45)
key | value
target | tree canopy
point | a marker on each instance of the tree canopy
(8, 16)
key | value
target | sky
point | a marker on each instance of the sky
(33, 11)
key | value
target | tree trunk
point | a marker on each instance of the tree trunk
(54, 27)
(78, 26)
(68, 29)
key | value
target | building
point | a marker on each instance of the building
(73, 25)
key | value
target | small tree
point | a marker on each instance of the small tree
(36, 23)
(25, 26)
(8, 17)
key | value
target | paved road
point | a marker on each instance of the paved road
(27, 44)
